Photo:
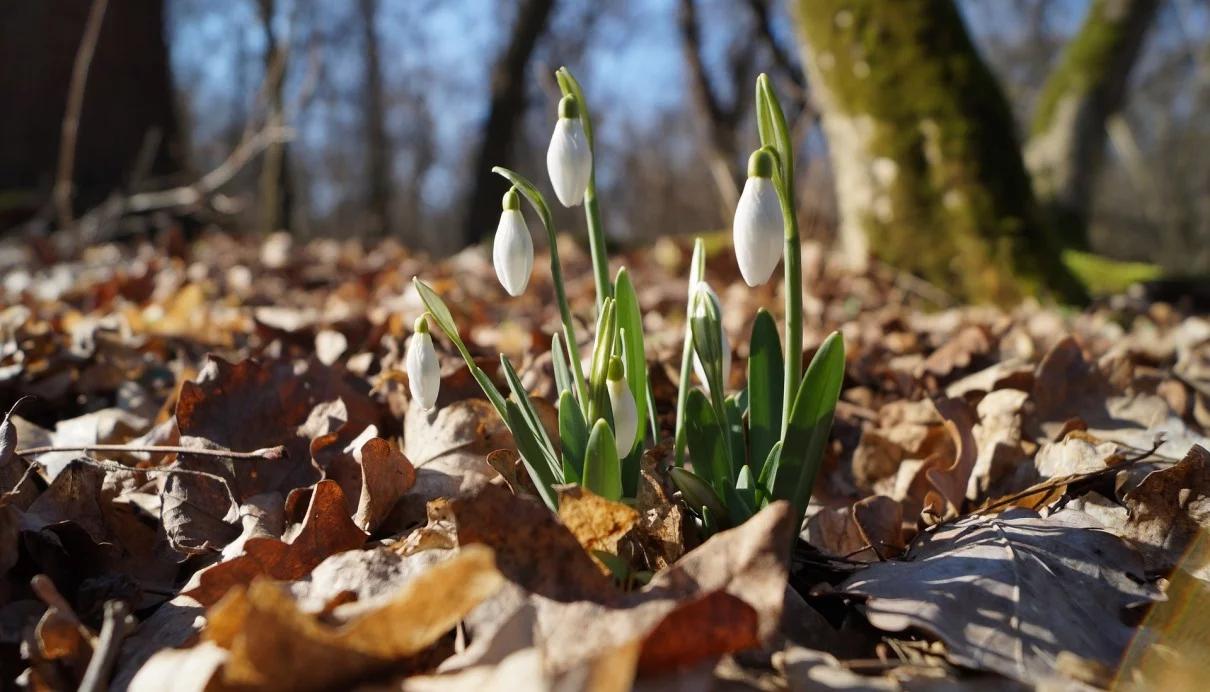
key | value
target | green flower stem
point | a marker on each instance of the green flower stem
(771, 122)
(556, 273)
(793, 262)
(596, 237)
(592, 210)
(697, 271)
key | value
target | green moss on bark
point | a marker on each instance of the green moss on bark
(950, 198)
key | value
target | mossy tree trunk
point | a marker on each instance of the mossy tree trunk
(1067, 138)
(928, 167)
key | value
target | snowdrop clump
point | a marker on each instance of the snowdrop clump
(734, 451)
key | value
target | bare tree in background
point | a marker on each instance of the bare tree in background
(507, 106)
(276, 195)
(1088, 86)
(719, 116)
(378, 144)
(127, 113)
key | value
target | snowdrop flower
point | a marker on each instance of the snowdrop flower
(625, 411)
(569, 158)
(513, 249)
(699, 311)
(758, 222)
(424, 372)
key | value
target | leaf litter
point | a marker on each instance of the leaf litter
(229, 488)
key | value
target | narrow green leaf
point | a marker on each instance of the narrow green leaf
(707, 445)
(697, 491)
(740, 503)
(735, 431)
(810, 425)
(764, 481)
(531, 417)
(531, 455)
(573, 433)
(765, 373)
(606, 336)
(602, 470)
(437, 308)
(697, 270)
(563, 379)
(630, 328)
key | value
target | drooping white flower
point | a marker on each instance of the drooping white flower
(625, 411)
(698, 370)
(758, 231)
(424, 372)
(569, 158)
(513, 249)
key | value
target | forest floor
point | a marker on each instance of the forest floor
(1010, 500)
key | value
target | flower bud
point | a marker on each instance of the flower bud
(569, 158)
(513, 249)
(424, 372)
(703, 288)
(625, 411)
(758, 230)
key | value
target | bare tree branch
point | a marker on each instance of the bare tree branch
(63, 191)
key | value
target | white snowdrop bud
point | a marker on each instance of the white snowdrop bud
(424, 372)
(513, 249)
(698, 370)
(569, 158)
(625, 411)
(759, 235)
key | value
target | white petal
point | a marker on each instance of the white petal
(569, 161)
(625, 415)
(702, 286)
(424, 372)
(758, 233)
(513, 252)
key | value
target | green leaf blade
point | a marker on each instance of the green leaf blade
(810, 425)
(532, 456)
(707, 445)
(573, 433)
(766, 370)
(630, 328)
(697, 491)
(602, 469)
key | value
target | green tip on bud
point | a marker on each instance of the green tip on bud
(569, 107)
(616, 371)
(760, 164)
(422, 324)
(511, 201)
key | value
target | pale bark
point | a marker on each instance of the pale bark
(1088, 86)
(929, 174)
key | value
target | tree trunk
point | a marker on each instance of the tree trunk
(929, 174)
(719, 119)
(128, 100)
(1067, 138)
(504, 115)
(276, 195)
(378, 145)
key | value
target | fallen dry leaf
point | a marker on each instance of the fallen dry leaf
(1009, 593)
(327, 529)
(267, 643)
(597, 523)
